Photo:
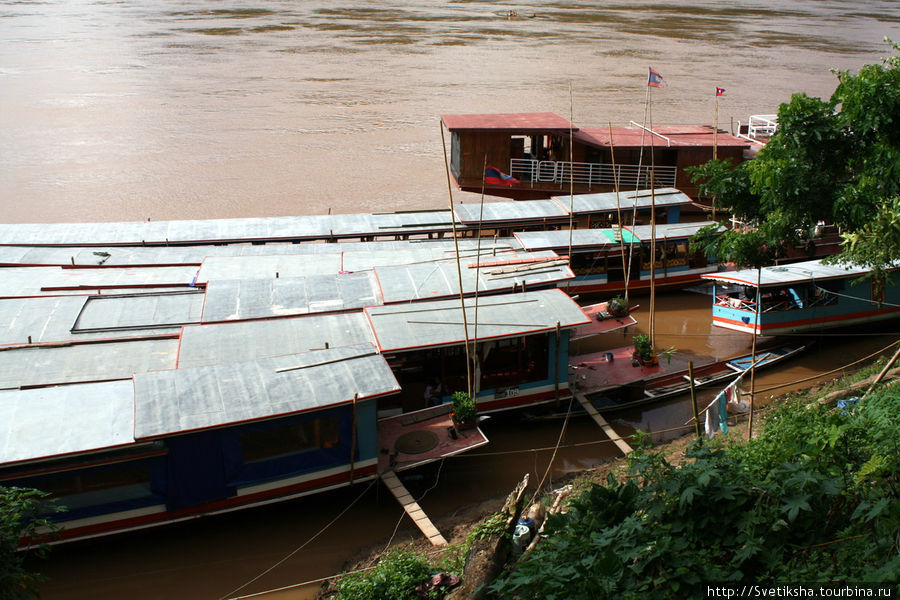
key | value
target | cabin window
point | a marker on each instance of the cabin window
(284, 440)
(586, 263)
(83, 491)
(514, 361)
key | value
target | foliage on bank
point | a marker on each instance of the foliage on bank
(814, 498)
(21, 511)
(835, 161)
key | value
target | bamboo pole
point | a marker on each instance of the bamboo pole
(753, 354)
(462, 300)
(694, 400)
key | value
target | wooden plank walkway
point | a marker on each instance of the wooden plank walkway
(412, 508)
(607, 428)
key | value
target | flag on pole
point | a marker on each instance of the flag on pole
(654, 79)
(720, 91)
(495, 176)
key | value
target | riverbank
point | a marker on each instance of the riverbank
(459, 525)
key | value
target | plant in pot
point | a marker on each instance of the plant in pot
(464, 412)
(617, 307)
(643, 351)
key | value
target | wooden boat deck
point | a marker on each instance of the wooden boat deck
(409, 440)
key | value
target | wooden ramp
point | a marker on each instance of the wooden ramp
(607, 428)
(412, 508)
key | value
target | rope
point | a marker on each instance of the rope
(301, 547)
(562, 433)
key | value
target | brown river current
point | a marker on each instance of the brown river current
(117, 110)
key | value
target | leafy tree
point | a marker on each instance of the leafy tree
(836, 161)
(20, 517)
(815, 498)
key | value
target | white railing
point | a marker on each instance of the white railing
(590, 174)
(762, 126)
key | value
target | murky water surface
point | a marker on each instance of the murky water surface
(175, 109)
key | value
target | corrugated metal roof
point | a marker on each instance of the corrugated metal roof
(545, 121)
(299, 228)
(194, 255)
(787, 274)
(267, 267)
(73, 363)
(171, 402)
(406, 327)
(607, 202)
(678, 135)
(507, 212)
(37, 281)
(80, 318)
(205, 345)
(440, 279)
(601, 239)
(69, 419)
(140, 311)
(229, 300)
(671, 230)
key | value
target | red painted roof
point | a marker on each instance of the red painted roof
(678, 136)
(512, 121)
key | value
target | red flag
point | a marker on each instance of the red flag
(495, 176)
(654, 79)
(720, 91)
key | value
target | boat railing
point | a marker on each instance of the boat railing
(591, 174)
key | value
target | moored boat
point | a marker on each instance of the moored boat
(801, 297)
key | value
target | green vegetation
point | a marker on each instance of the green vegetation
(20, 517)
(814, 498)
(395, 577)
(834, 161)
(464, 407)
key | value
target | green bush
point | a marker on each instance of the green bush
(815, 498)
(395, 577)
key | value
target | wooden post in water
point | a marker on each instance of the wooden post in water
(694, 400)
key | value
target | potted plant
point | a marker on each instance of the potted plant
(464, 412)
(643, 351)
(617, 307)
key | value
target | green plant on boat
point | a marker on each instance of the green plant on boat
(464, 409)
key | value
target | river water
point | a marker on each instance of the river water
(117, 110)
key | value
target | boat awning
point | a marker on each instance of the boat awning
(440, 323)
(581, 239)
(70, 419)
(494, 273)
(239, 299)
(519, 212)
(671, 230)
(184, 400)
(801, 272)
(688, 136)
(610, 202)
(217, 343)
(515, 122)
(84, 363)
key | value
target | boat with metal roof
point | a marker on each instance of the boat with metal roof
(803, 296)
(600, 258)
(547, 154)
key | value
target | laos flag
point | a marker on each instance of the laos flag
(495, 176)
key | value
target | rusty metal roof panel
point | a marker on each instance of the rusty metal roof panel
(545, 121)
(667, 136)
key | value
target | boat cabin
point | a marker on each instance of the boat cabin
(601, 257)
(546, 155)
(801, 297)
